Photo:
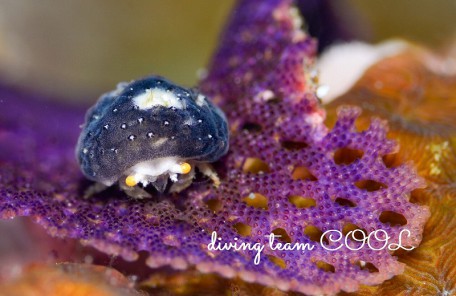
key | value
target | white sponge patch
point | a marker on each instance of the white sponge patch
(157, 97)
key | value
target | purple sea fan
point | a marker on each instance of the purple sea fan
(285, 173)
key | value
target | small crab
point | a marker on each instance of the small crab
(150, 131)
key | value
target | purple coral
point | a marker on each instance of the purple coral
(284, 174)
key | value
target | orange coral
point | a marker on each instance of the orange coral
(69, 280)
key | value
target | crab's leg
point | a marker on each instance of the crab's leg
(94, 189)
(128, 185)
(207, 170)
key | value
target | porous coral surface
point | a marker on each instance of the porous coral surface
(285, 173)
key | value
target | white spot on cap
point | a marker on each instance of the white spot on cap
(160, 141)
(119, 89)
(157, 97)
(188, 121)
(200, 100)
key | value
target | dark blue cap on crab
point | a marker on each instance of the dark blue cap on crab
(148, 119)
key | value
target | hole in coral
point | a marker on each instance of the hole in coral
(294, 145)
(402, 254)
(255, 166)
(214, 205)
(243, 229)
(315, 234)
(331, 118)
(345, 202)
(277, 261)
(392, 218)
(302, 173)
(256, 200)
(325, 266)
(252, 127)
(347, 155)
(274, 100)
(370, 185)
(302, 202)
(366, 266)
(355, 234)
(362, 124)
(282, 235)
(392, 160)
(418, 196)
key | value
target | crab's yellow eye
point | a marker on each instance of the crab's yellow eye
(186, 168)
(131, 181)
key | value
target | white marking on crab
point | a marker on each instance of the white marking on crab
(120, 87)
(140, 178)
(157, 97)
(159, 142)
(200, 100)
(147, 171)
(189, 121)
(173, 177)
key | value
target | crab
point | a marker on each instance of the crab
(150, 132)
